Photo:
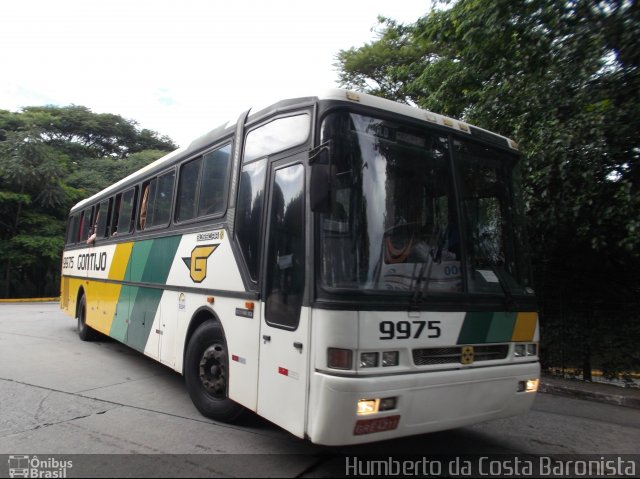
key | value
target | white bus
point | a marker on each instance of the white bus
(350, 268)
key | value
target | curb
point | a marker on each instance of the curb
(30, 300)
(579, 393)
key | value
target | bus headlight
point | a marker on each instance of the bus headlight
(367, 406)
(372, 406)
(369, 360)
(522, 350)
(390, 358)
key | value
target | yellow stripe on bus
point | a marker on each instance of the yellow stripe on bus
(104, 296)
(120, 261)
(100, 317)
(525, 327)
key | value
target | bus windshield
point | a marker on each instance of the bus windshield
(415, 213)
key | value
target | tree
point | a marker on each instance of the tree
(50, 158)
(561, 77)
(34, 172)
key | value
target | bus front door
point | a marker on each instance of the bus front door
(284, 330)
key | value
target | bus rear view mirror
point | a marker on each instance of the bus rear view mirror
(320, 191)
(320, 188)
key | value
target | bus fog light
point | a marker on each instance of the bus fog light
(367, 406)
(532, 349)
(390, 358)
(521, 350)
(532, 385)
(369, 360)
(387, 404)
(339, 358)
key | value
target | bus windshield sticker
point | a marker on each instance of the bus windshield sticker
(488, 275)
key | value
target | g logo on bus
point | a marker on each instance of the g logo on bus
(467, 355)
(197, 263)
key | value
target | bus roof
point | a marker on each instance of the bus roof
(335, 94)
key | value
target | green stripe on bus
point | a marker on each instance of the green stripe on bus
(487, 327)
(141, 318)
(501, 328)
(150, 262)
(475, 327)
(160, 259)
(120, 321)
(138, 260)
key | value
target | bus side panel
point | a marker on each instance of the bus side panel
(64, 293)
(97, 263)
(106, 296)
(73, 286)
(242, 330)
(205, 260)
(110, 293)
(172, 315)
(241, 327)
(73, 274)
(143, 314)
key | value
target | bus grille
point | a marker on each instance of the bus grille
(433, 356)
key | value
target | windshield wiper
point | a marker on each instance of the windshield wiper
(509, 301)
(419, 296)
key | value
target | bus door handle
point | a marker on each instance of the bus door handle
(298, 346)
(266, 338)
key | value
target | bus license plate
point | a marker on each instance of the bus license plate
(369, 426)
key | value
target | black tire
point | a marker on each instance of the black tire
(85, 332)
(206, 373)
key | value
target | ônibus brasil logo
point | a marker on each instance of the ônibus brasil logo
(26, 466)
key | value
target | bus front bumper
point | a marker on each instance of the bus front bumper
(424, 402)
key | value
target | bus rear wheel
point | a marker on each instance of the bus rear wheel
(206, 372)
(85, 332)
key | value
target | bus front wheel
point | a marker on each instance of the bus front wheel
(206, 372)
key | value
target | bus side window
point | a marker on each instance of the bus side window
(213, 187)
(93, 230)
(116, 215)
(285, 254)
(163, 199)
(102, 220)
(155, 206)
(146, 205)
(126, 216)
(86, 224)
(72, 229)
(249, 213)
(78, 236)
(277, 135)
(188, 190)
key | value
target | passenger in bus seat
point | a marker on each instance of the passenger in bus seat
(143, 207)
(93, 232)
(92, 237)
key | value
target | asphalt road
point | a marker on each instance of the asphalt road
(61, 397)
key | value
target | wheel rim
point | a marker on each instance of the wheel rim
(81, 319)
(213, 371)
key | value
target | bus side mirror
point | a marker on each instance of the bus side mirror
(320, 188)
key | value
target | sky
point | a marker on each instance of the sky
(180, 67)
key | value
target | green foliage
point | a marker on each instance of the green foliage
(51, 158)
(95, 135)
(562, 78)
